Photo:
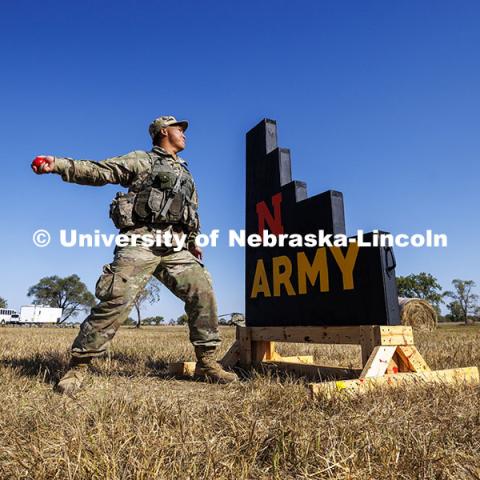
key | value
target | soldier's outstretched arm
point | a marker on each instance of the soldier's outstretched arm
(118, 170)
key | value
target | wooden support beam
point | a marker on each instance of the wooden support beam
(393, 366)
(393, 335)
(367, 342)
(182, 369)
(385, 335)
(262, 350)
(378, 362)
(312, 371)
(245, 341)
(468, 375)
(412, 358)
(232, 357)
(295, 359)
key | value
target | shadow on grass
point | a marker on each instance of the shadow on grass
(46, 367)
(49, 367)
(121, 364)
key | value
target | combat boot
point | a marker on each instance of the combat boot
(209, 369)
(73, 378)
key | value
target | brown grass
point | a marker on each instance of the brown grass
(132, 421)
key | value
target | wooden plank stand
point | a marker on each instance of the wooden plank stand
(389, 357)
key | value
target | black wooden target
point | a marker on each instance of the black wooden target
(307, 285)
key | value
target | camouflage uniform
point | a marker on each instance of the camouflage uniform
(116, 289)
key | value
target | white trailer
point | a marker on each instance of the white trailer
(39, 314)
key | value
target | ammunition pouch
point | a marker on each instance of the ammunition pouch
(190, 218)
(150, 205)
(121, 210)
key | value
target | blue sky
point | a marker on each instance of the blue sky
(377, 99)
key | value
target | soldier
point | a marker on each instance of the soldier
(161, 200)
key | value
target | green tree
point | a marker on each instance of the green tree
(465, 298)
(422, 285)
(3, 303)
(182, 319)
(455, 312)
(156, 320)
(68, 293)
(150, 294)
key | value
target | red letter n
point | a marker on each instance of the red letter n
(263, 213)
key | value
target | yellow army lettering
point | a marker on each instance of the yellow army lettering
(282, 270)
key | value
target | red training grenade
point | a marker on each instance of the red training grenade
(38, 161)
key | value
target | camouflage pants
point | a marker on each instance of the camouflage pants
(127, 275)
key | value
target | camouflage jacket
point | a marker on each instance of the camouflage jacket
(128, 170)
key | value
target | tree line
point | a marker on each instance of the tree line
(73, 296)
(461, 302)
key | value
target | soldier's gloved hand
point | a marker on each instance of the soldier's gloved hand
(195, 251)
(43, 164)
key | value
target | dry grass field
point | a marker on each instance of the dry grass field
(132, 421)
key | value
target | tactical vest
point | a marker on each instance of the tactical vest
(162, 198)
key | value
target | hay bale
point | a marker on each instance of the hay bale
(417, 313)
